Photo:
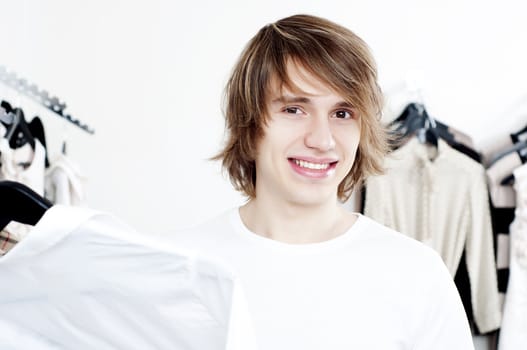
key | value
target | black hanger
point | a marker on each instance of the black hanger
(6, 106)
(37, 130)
(515, 136)
(7, 117)
(517, 147)
(18, 133)
(411, 119)
(427, 135)
(415, 119)
(35, 127)
(521, 148)
(21, 204)
(414, 116)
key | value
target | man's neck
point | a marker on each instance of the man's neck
(294, 223)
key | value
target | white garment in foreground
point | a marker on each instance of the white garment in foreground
(83, 280)
(369, 288)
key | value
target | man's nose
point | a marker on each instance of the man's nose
(319, 134)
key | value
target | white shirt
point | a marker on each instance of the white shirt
(84, 280)
(369, 288)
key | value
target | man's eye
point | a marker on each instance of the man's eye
(292, 110)
(344, 114)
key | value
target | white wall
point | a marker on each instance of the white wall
(148, 76)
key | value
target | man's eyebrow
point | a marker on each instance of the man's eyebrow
(302, 99)
(291, 99)
(344, 104)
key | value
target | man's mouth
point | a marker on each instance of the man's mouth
(310, 165)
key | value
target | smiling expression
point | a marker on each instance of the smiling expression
(309, 141)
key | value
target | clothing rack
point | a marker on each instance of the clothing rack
(42, 97)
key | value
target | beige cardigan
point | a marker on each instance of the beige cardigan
(442, 202)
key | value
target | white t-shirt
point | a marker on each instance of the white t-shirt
(369, 288)
(84, 280)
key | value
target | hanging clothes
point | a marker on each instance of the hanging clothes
(513, 333)
(23, 165)
(503, 204)
(85, 280)
(27, 167)
(6, 242)
(439, 197)
(414, 116)
(64, 183)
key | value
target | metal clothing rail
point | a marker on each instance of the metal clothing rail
(40, 96)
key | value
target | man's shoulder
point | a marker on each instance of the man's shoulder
(375, 230)
(213, 229)
(397, 246)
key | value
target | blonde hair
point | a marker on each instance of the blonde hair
(333, 54)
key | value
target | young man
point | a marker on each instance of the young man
(302, 114)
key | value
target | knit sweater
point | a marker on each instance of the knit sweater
(440, 198)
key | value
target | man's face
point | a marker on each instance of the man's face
(309, 142)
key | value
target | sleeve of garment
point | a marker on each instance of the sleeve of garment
(64, 182)
(445, 324)
(480, 260)
(57, 187)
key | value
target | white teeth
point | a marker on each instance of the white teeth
(309, 165)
